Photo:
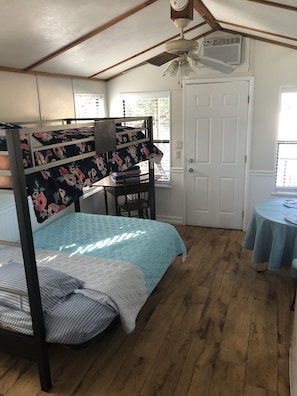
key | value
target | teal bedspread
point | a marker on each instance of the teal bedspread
(149, 244)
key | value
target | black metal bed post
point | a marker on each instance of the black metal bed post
(40, 353)
(152, 197)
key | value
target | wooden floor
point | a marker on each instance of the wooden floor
(213, 326)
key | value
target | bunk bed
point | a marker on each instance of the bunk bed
(87, 266)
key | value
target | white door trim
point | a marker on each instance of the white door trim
(249, 79)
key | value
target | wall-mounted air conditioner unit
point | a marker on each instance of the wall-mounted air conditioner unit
(226, 49)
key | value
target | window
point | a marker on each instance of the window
(286, 163)
(88, 105)
(157, 105)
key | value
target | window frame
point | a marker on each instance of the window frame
(291, 190)
(149, 95)
(95, 96)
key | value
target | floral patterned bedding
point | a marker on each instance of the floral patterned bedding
(24, 143)
(56, 188)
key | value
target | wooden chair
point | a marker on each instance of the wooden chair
(135, 201)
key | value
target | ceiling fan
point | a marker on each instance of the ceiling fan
(183, 52)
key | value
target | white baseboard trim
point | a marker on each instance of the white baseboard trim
(170, 219)
(261, 173)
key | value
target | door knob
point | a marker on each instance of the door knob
(191, 170)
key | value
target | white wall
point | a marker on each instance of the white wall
(18, 97)
(273, 67)
(27, 97)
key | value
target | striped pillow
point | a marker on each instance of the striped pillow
(54, 286)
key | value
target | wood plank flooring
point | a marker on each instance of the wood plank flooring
(213, 326)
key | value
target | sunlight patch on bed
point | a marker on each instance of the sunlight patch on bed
(47, 259)
(108, 242)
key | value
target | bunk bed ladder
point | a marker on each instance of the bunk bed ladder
(32, 347)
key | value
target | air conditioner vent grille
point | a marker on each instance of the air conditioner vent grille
(222, 41)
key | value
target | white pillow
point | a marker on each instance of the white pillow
(54, 286)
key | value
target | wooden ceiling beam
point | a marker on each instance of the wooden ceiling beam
(273, 4)
(46, 74)
(261, 32)
(206, 14)
(264, 39)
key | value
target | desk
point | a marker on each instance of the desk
(272, 238)
(117, 190)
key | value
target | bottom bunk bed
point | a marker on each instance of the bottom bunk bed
(91, 269)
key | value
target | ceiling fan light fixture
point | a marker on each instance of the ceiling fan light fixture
(179, 68)
(186, 70)
(172, 69)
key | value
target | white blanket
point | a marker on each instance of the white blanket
(123, 282)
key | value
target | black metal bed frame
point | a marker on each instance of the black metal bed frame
(35, 347)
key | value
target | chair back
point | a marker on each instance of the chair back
(136, 196)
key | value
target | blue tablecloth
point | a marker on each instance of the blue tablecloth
(271, 237)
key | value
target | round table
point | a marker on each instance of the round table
(272, 238)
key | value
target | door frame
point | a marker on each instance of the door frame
(250, 80)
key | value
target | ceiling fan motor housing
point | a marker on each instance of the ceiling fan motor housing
(181, 46)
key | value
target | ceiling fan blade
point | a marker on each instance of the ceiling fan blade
(160, 59)
(214, 63)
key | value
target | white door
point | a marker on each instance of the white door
(216, 135)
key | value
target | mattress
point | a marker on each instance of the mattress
(149, 244)
(75, 322)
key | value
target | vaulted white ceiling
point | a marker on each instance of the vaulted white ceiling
(101, 39)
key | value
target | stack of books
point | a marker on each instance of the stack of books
(130, 176)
